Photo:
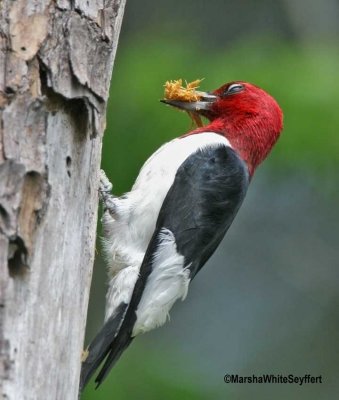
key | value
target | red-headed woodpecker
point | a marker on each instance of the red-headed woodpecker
(161, 233)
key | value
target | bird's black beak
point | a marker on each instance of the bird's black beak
(200, 106)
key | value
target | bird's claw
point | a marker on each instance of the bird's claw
(105, 184)
(105, 193)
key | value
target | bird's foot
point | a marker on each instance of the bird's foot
(105, 184)
(105, 189)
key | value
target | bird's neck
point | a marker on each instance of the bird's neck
(252, 141)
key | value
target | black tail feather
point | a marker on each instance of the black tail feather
(120, 344)
(102, 345)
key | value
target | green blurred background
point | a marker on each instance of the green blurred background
(267, 301)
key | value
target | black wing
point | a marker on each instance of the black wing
(207, 192)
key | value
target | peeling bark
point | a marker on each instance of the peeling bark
(56, 60)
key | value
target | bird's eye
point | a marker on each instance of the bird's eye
(234, 88)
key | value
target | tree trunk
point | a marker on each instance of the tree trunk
(56, 59)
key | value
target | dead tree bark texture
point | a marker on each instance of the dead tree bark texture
(56, 59)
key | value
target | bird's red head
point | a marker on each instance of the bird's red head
(245, 114)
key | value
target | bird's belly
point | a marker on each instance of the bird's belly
(132, 232)
(148, 200)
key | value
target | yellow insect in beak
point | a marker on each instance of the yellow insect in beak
(188, 98)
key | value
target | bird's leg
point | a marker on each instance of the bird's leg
(105, 195)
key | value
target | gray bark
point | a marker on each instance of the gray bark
(56, 59)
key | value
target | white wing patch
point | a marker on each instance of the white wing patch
(167, 283)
